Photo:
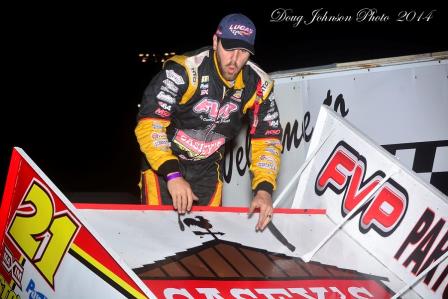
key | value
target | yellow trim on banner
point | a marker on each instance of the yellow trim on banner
(107, 272)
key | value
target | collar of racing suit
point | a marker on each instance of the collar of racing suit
(239, 82)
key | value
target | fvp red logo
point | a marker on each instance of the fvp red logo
(344, 172)
(212, 109)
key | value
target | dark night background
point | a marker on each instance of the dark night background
(73, 77)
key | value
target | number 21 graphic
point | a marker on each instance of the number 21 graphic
(42, 235)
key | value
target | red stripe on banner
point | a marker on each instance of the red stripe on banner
(87, 242)
(8, 192)
(133, 207)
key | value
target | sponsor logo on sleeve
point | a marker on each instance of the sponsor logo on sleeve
(165, 106)
(267, 165)
(163, 88)
(272, 132)
(156, 136)
(166, 98)
(271, 116)
(157, 126)
(171, 86)
(161, 144)
(273, 123)
(162, 113)
(175, 77)
(272, 150)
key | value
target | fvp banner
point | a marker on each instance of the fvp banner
(389, 210)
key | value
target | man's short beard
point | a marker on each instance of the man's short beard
(223, 73)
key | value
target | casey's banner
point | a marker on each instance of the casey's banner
(216, 253)
(47, 251)
(391, 212)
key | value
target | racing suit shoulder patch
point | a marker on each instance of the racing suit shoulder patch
(191, 65)
(266, 82)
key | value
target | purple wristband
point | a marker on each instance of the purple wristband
(173, 175)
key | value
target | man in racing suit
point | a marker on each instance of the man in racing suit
(192, 107)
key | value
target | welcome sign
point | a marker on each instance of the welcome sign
(400, 103)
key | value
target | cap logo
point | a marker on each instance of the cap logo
(240, 30)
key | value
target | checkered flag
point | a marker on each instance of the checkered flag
(428, 159)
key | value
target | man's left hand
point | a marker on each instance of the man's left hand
(263, 201)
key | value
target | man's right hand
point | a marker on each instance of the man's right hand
(181, 194)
